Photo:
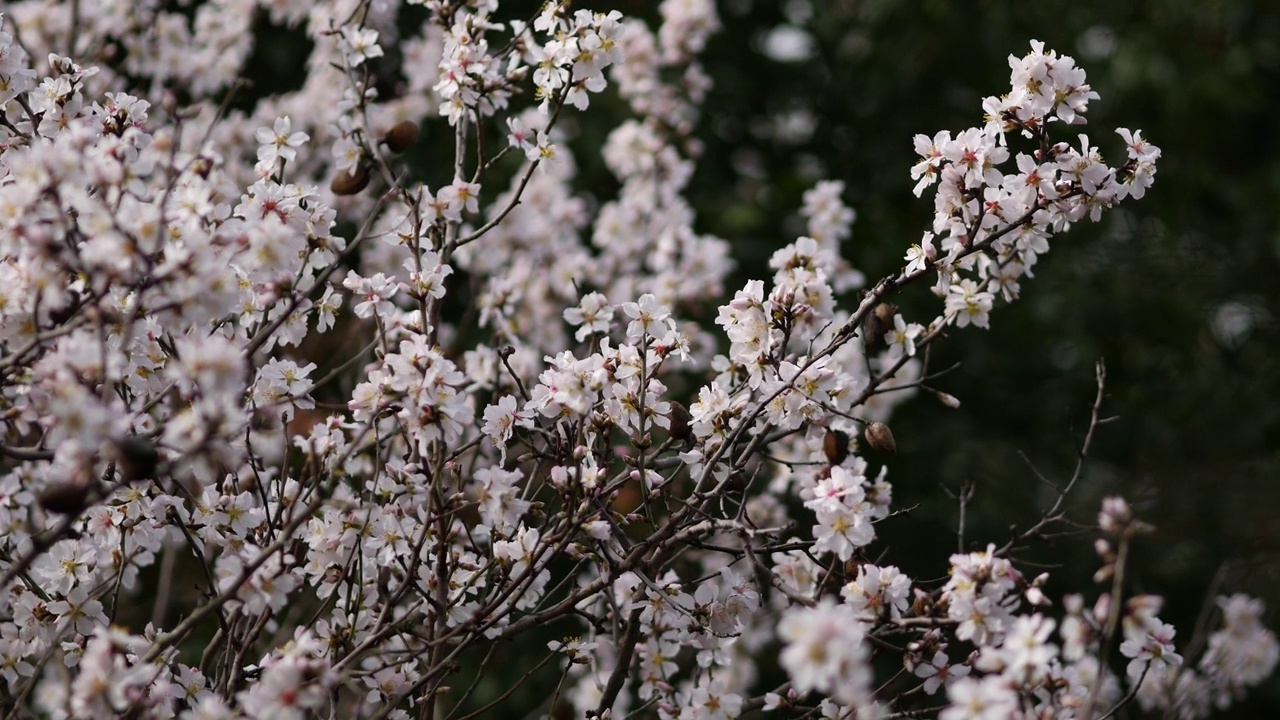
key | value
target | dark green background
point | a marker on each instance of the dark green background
(1196, 446)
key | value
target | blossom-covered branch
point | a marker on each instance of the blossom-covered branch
(351, 415)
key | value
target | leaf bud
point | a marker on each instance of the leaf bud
(880, 438)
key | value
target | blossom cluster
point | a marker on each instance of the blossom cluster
(286, 432)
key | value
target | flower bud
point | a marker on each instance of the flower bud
(949, 400)
(401, 136)
(1104, 573)
(1103, 548)
(922, 605)
(880, 438)
(350, 183)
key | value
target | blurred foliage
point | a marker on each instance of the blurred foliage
(1176, 292)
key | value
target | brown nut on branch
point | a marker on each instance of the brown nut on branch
(878, 322)
(880, 438)
(64, 498)
(835, 446)
(350, 183)
(679, 417)
(137, 459)
(401, 136)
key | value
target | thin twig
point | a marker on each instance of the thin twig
(1055, 513)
